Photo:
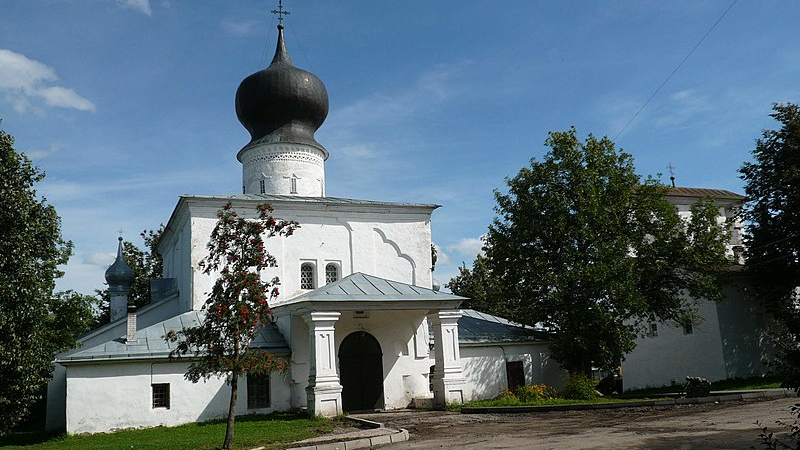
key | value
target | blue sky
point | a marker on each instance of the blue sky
(127, 104)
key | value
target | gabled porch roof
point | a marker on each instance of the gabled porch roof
(360, 291)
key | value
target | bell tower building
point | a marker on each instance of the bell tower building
(282, 106)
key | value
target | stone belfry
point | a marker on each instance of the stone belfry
(282, 106)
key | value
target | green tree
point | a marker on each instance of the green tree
(584, 246)
(238, 305)
(31, 249)
(478, 286)
(772, 215)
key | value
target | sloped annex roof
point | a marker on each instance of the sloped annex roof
(719, 194)
(150, 343)
(360, 287)
(475, 327)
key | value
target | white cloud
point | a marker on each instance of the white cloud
(239, 28)
(64, 98)
(681, 107)
(442, 258)
(143, 6)
(433, 87)
(23, 79)
(39, 154)
(468, 246)
(99, 259)
(358, 151)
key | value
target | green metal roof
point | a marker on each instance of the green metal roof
(150, 343)
(360, 287)
(475, 327)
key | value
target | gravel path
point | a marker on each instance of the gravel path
(705, 426)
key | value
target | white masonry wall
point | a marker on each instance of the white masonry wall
(671, 356)
(91, 409)
(485, 367)
(394, 245)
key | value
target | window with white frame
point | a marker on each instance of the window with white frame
(160, 392)
(331, 273)
(307, 276)
(257, 391)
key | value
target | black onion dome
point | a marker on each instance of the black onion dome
(282, 103)
(119, 273)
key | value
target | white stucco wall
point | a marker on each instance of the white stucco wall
(672, 355)
(391, 244)
(485, 367)
(116, 396)
(742, 323)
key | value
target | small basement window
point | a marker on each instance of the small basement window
(160, 395)
(257, 391)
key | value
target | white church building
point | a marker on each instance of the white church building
(358, 315)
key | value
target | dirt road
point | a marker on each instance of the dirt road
(708, 426)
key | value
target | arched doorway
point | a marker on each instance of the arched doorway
(361, 372)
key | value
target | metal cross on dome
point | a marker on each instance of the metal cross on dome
(280, 12)
(671, 169)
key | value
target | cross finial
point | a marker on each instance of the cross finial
(671, 169)
(280, 12)
(120, 231)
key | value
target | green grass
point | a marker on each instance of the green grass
(273, 431)
(735, 384)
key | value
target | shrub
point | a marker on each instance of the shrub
(578, 386)
(537, 392)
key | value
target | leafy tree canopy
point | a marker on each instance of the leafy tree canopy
(582, 245)
(772, 215)
(238, 305)
(31, 249)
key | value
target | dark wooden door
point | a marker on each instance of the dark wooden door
(361, 372)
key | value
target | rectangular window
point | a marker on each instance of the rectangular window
(294, 186)
(688, 328)
(257, 391)
(653, 329)
(160, 395)
(262, 186)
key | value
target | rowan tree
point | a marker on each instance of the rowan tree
(772, 215)
(31, 249)
(587, 248)
(237, 307)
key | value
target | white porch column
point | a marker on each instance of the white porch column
(324, 392)
(448, 374)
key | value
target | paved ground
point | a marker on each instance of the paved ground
(706, 426)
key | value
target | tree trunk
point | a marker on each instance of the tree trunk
(231, 410)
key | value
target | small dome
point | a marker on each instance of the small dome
(119, 274)
(282, 103)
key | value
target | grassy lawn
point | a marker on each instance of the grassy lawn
(273, 431)
(736, 384)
